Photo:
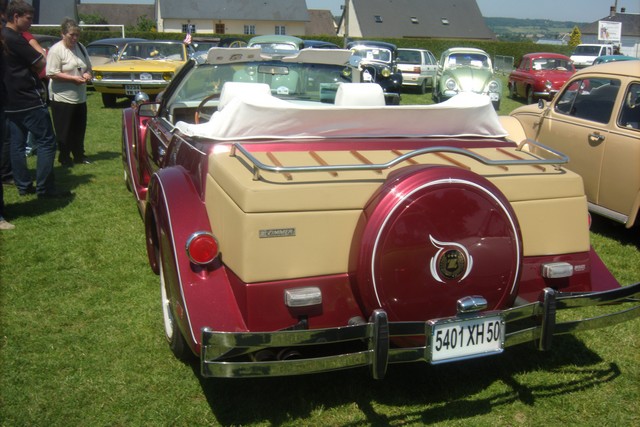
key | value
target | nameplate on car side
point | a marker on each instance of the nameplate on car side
(277, 232)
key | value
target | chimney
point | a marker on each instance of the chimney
(623, 10)
(612, 11)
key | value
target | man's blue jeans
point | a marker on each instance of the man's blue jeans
(38, 122)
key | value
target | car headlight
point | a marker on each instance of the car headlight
(548, 85)
(385, 72)
(494, 86)
(97, 75)
(450, 84)
(167, 76)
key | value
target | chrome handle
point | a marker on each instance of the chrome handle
(596, 137)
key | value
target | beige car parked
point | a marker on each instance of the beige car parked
(595, 121)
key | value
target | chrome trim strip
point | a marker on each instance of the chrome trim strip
(608, 213)
(219, 349)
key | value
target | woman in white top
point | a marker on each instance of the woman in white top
(69, 69)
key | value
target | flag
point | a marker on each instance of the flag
(187, 38)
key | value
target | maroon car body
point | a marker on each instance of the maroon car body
(285, 246)
(540, 75)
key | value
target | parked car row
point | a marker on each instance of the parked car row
(422, 233)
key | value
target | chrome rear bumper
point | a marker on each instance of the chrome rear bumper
(535, 322)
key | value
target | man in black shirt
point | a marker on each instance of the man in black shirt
(25, 107)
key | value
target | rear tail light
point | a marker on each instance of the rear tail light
(202, 248)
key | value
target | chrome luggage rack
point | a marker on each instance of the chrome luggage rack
(258, 166)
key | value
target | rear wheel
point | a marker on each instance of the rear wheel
(423, 87)
(177, 343)
(530, 99)
(434, 235)
(109, 100)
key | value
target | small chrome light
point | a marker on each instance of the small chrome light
(302, 297)
(385, 72)
(548, 85)
(493, 86)
(557, 270)
(167, 76)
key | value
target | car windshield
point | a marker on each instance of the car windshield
(409, 56)
(372, 53)
(551, 64)
(293, 81)
(166, 51)
(476, 60)
(105, 50)
(277, 48)
(587, 50)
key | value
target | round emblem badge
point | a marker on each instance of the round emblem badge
(452, 264)
(452, 261)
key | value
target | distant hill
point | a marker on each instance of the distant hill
(513, 29)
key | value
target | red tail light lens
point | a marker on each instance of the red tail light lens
(202, 248)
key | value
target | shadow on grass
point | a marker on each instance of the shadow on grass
(616, 231)
(447, 390)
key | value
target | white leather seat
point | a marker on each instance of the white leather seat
(232, 90)
(359, 94)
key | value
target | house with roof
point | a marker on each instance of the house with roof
(443, 19)
(233, 16)
(629, 34)
(52, 12)
(123, 14)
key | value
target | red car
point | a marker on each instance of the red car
(300, 225)
(540, 75)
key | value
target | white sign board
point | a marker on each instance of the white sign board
(609, 31)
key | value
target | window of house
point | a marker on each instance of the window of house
(219, 28)
(189, 28)
(414, 20)
(249, 29)
(378, 18)
(280, 29)
(445, 21)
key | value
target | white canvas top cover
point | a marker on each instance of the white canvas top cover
(267, 117)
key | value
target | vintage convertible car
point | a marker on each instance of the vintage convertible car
(466, 69)
(303, 231)
(378, 64)
(540, 75)
(142, 66)
(595, 121)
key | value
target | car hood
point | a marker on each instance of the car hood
(141, 65)
(470, 79)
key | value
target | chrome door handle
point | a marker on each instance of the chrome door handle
(596, 137)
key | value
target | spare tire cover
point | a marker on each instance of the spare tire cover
(431, 236)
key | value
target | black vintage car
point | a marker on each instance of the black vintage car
(377, 62)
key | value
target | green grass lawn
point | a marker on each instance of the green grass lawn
(82, 339)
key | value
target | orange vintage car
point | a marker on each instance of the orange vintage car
(595, 121)
(141, 66)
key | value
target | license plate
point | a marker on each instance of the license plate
(456, 339)
(131, 89)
